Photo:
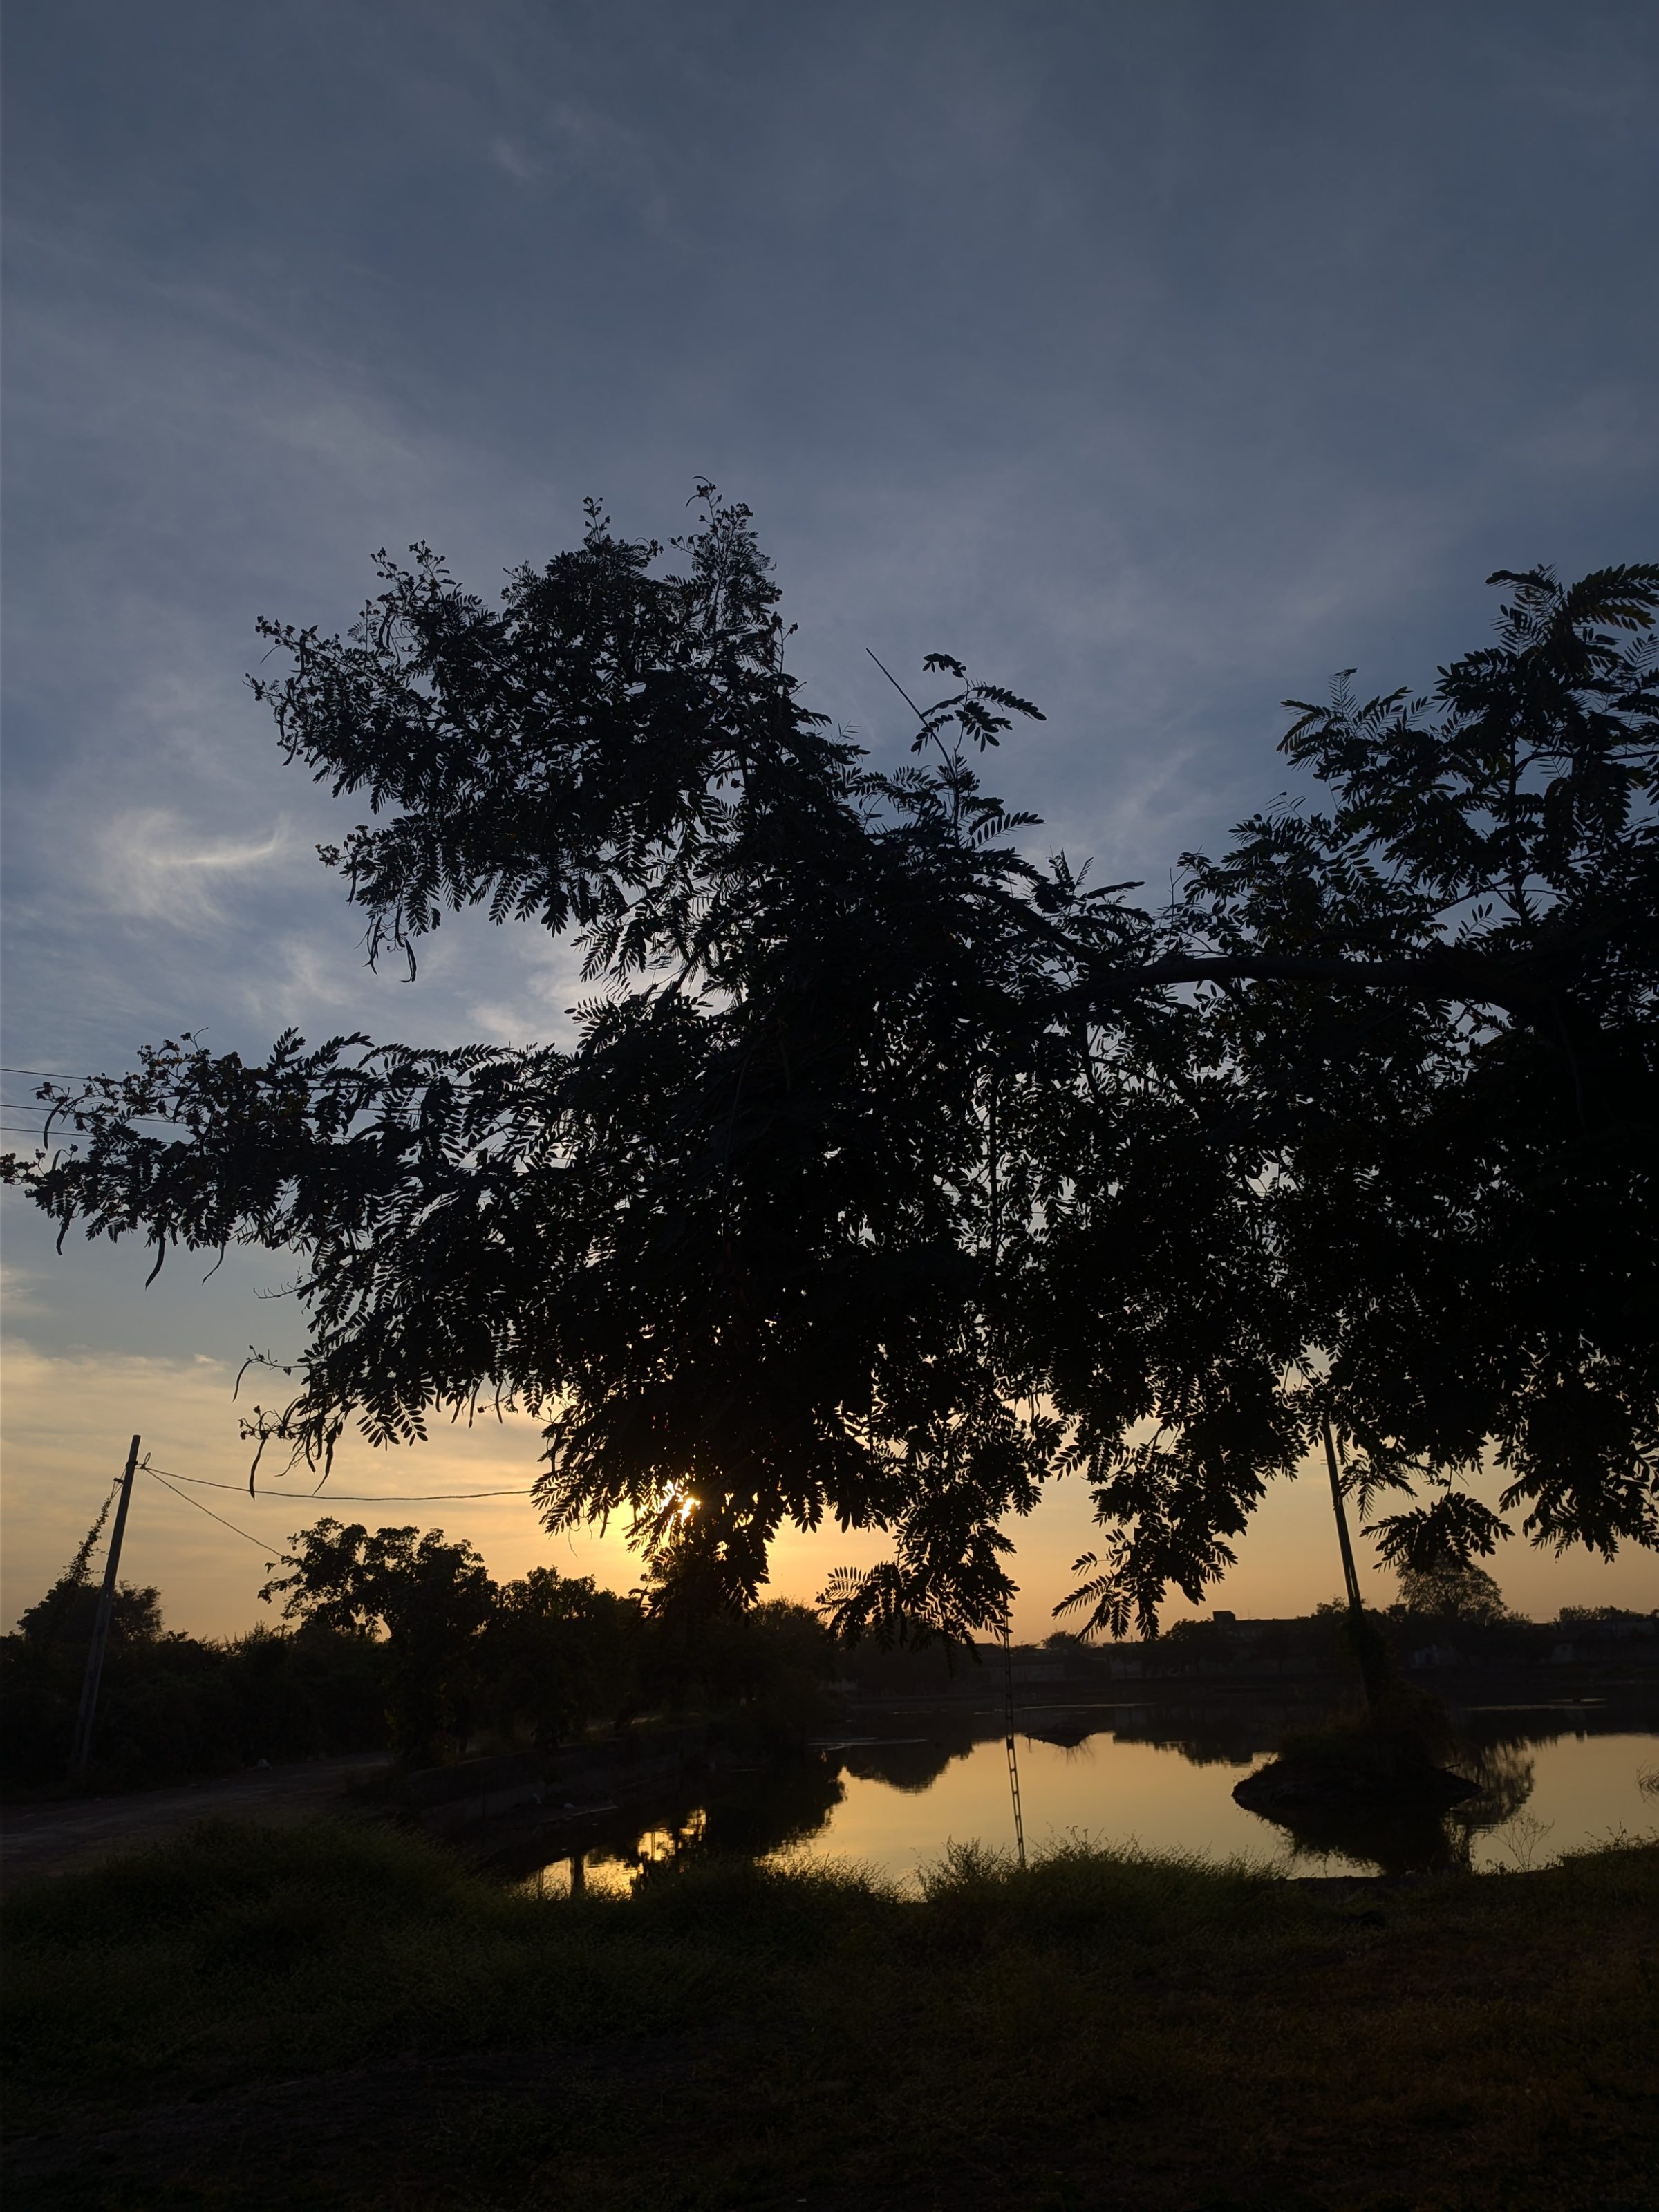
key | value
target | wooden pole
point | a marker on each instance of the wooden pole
(89, 1711)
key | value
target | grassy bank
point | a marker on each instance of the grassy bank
(342, 2017)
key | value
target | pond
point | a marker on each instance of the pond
(898, 1786)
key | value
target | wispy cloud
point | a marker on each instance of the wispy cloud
(152, 868)
(506, 156)
(18, 1293)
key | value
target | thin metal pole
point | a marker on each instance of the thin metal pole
(1013, 1760)
(89, 1711)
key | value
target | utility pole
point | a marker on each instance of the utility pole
(84, 1719)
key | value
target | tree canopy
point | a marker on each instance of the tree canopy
(1452, 1591)
(431, 1600)
(893, 1170)
(64, 1615)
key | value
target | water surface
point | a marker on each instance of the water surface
(898, 1788)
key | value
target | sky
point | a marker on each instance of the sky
(1158, 360)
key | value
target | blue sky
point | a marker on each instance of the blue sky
(1157, 359)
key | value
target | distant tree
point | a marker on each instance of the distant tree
(64, 1615)
(893, 1171)
(703, 1649)
(559, 1652)
(43, 1666)
(430, 1598)
(1453, 1590)
(173, 1705)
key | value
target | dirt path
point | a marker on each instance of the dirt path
(72, 1831)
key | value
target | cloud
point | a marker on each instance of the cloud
(550, 983)
(151, 869)
(581, 140)
(506, 155)
(18, 1292)
(308, 983)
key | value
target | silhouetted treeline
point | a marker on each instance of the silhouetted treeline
(172, 1706)
(400, 1640)
(1423, 1636)
(393, 1640)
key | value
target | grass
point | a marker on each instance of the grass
(341, 2016)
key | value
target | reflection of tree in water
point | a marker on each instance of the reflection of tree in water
(746, 1817)
(1400, 1837)
(1504, 1774)
(1069, 1736)
(912, 1767)
(1237, 1747)
(1220, 1735)
(784, 1805)
(1406, 1837)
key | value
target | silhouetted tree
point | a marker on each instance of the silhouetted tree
(1453, 1590)
(559, 1653)
(64, 1615)
(431, 1599)
(891, 1170)
(1404, 1169)
(173, 1705)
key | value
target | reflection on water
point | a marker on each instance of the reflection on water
(1411, 1837)
(754, 1813)
(1159, 1776)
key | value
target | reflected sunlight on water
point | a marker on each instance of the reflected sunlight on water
(892, 1804)
(606, 1873)
(1583, 1789)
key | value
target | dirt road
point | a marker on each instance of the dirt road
(72, 1831)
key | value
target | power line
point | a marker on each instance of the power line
(61, 1075)
(259, 1542)
(62, 1107)
(343, 1497)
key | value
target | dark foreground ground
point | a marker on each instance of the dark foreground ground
(336, 2016)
